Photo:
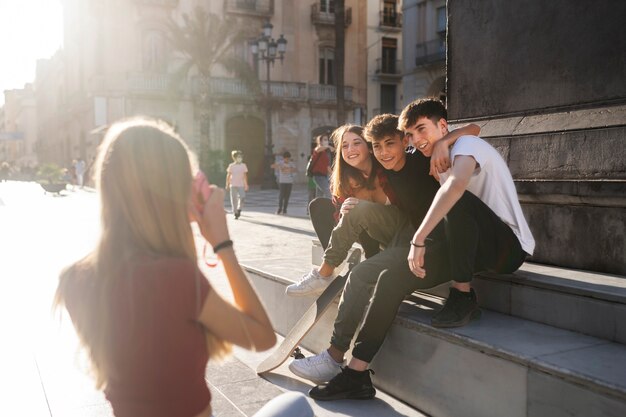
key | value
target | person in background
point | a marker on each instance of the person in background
(79, 169)
(321, 162)
(286, 174)
(144, 312)
(237, 181)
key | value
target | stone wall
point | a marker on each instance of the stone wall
(546, 81)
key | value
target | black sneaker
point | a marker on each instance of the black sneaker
(349, 384)
(237, 214)
(459, 309)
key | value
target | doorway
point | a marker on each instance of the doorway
(247, 134)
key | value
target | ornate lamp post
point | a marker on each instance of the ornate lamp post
(265, 48)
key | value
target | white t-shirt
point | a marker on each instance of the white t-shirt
(286, 172)
(237, 173)
(493, 184)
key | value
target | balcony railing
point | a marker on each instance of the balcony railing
(169, 3)
(146, 82)
(250, 7)
(233, 88)
(390, 20)
(430, 52)
(326, 15)
(388, 67)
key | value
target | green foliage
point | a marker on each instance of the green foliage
(213, 164)
(206, 42)
(50, 172)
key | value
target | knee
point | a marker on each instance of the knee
(359, 211)
(361, 277)
(320, 204)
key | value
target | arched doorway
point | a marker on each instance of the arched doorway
(247, 133)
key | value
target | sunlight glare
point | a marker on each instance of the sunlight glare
(29, 30)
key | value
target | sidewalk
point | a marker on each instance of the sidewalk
(42, 373)
(266, 201)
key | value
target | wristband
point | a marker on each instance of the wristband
(418, 246)
(223, 245)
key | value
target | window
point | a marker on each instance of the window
(389, 13)
(390, 46)
(326, 67)
(153, 59)
(441, 19)
(388, 98)
(327, 6)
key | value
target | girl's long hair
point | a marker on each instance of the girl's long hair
(344, 176)
(143, 175)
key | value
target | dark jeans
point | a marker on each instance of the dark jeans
(321, 211)
(475, 240)
(284, 192)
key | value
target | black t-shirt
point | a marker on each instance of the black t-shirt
(414, 188)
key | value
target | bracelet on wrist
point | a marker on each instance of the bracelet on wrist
(223, 245)
(418, 245)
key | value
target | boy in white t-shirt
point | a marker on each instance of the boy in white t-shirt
(286, 174)
(484, 222)
(237, 181)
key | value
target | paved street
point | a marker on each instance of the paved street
(43, 373)
(40, 235)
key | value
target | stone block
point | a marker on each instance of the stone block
(492, 294)
(581, 237)
(530, 55)
(445, 379)
(580, 314)
(620, 324)
(550, 396)
(598, 153)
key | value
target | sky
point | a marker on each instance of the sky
(29, 30)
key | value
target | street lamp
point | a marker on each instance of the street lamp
(265, 48)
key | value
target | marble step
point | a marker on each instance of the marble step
(498, 366)
(586, 302)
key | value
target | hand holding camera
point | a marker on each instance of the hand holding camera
(207, 209)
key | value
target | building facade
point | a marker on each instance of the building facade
(384, 56)
(18, 128)
(117, 62)
(424, 50)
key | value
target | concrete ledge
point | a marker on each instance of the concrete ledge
(484, 369)
(587, 302)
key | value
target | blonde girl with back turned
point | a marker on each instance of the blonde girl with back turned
(147, 317)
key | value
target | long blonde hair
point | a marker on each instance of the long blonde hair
(143, 175)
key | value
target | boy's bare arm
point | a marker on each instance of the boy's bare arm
(440, 158)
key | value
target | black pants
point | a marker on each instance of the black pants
(321, 211)
(284, 194)
(475, 240)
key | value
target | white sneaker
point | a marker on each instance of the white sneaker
(319, 368)
(310, 284)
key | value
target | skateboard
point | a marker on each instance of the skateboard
(308, 320)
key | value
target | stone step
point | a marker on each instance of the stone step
(582, 301)
(498, 366)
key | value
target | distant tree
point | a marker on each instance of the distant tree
(340, 42)
(206, 42)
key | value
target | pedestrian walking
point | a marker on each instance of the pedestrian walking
(79, 170)
(237, 182)
(286, 174)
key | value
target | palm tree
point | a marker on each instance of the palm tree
(340, 41)
(206, 42)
